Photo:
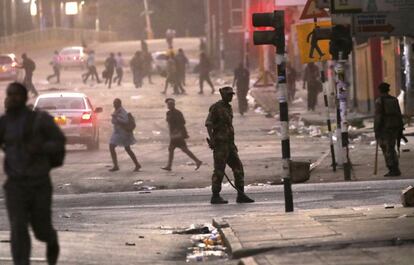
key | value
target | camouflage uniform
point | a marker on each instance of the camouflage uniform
(220, 117)
(388, 126)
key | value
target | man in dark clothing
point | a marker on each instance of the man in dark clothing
(29, 139)
(90, 64)
(219, 125)
(147, 65)
(29, 66)
(204, 69)
(178, 134)
(311, 80)
(172, 76)
(119, 68)
(110, 65)
(182, 62)
(136, 65)
(388, 126)
(56, 68)
(242, 80)
(291, 81)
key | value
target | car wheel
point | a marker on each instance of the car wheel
(93, 144)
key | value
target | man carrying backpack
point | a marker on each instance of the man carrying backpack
(123, 134)
(29, 66)
(32, 144)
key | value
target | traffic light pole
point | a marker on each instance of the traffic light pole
(276, 37)
(284, 123)
(328, 116)
(342, 122)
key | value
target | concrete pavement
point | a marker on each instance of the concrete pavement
(322, 236)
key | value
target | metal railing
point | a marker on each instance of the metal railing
(53, 36)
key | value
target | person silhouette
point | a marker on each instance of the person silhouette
(314, 43)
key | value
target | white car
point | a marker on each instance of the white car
(9, 68)
(75, 115)
(74, 56)
(160, 63)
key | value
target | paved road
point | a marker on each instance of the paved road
(86, 171)
(93, 223)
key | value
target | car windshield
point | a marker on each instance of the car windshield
(5, 60)
(60, 103)
(70, 51)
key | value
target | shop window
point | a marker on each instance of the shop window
(236, 14)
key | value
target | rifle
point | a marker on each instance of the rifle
(228, 179)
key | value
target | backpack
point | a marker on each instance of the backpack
(130, 125)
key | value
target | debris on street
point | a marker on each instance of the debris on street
(130, 244)
(207, 247)
(194, 229)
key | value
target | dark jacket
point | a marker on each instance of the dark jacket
(387, 114)
(176, 123)
(220, 118)
(110, 64)
(27, 151)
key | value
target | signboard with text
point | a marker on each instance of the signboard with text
(383, 24)
(358, 6)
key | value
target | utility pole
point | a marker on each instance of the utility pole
(147, 13)
(221, 36)
(5, 24)
(277, 38)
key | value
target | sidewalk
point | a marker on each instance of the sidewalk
(366, 235)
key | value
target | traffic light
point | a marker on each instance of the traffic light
(274, 37)
(341, 41)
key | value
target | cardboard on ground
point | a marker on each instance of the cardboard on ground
(303, 31)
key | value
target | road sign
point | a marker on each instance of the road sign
(311, 11)
(323, 3)
(383, 24)
(358, 6)
(320, 50)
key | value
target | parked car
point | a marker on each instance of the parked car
(75, 115)
(9, 70)
(160, 63)
(74, 56)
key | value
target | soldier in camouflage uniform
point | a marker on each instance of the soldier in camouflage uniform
(388, 126)
(219, 125)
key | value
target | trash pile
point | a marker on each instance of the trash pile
(207, 244)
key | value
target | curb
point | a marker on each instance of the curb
(232, 242)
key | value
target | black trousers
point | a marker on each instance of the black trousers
(29, 205)
(56, 73)
(119, 75)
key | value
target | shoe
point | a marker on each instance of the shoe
(393, 174)
(200, 93)
(114, 169)
(198, 164)
(137, 168)
(166, 168)
(213, 91)
(217, 199)
(163, 92)
(243, 198)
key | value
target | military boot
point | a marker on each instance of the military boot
(394, 172)
(243, 198)
(217, 199)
